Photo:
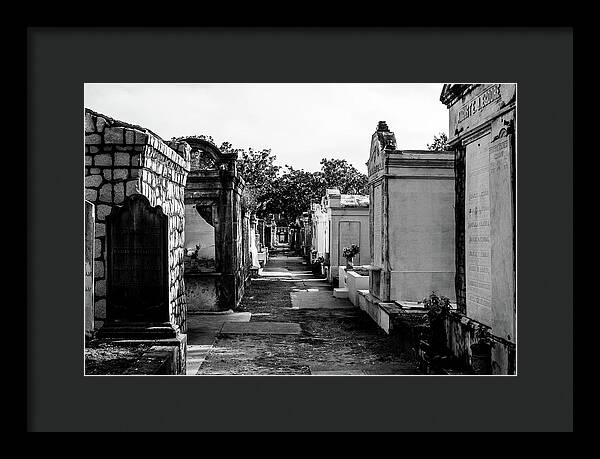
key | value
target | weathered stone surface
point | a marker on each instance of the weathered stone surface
(98, 270)
(261, 328)
(107, 174)
(140, 138)
(89, 123)
(100, 309)
(119, 193)
(92, 139)
(106, 193)
(102, 211)
(100, 124)
(103, 159)
(100, 229)
(101, 288)
(122, 159)
(132, 187)
(113, 135)
(120, 174)
(93, 180)
(91, 195)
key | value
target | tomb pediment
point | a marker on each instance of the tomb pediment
(382, 142)
(205, 155)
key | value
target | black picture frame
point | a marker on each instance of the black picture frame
(60, 398)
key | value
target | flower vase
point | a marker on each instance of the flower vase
(349, 263)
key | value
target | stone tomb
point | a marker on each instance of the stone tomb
(482, 126)
(349, 224)
(129, 172)
(121, 160)
(412, 220)
(215, 232)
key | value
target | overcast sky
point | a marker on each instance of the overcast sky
(300, 123)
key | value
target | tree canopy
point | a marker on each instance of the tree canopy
(271, 189)
(440, 142)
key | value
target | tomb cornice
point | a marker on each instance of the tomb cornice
(451, 93)
(419, 158)
(474, 123)
(449, 176)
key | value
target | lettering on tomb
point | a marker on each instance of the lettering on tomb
(377, 203)
(479, 102)
(477, 231)
(349, 233)
(502, 237)
(137, 260)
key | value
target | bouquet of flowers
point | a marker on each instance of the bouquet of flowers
(350, 252)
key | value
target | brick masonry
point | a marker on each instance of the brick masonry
(123, 159)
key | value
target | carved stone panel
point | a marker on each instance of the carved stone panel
(137, 277)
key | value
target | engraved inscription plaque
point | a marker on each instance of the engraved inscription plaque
(377, 203)
(477, 232)
(137, 277)
(502, 237)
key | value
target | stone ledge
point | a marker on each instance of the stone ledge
(158, 360)
(137, 332)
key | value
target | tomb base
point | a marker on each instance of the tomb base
(137, 331)
(166, 356)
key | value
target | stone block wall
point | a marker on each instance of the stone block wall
(122, 159)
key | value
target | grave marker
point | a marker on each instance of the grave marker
(137, 281)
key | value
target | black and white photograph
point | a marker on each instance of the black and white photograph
(345, 228)
(295, 229)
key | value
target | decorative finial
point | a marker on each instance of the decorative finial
(382, 126)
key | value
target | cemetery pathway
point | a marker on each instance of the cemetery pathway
(289, 323)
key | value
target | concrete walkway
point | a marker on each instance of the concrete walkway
(289, 323)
